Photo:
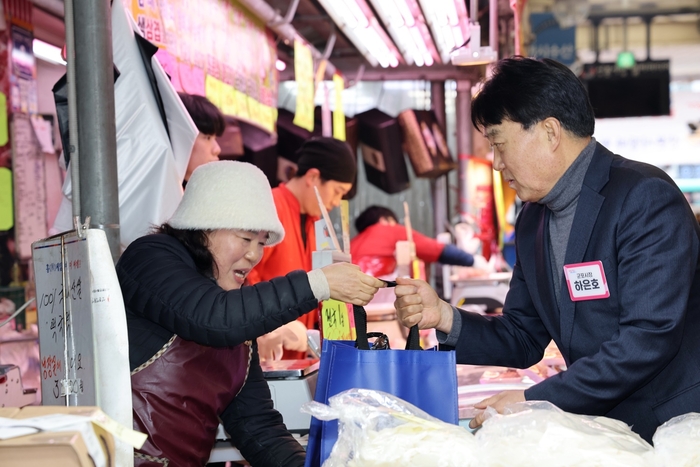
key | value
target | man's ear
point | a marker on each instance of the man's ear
(553, 129)
(312, 177)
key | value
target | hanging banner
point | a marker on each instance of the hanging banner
(504, 197)
(551, 41)
(304, 76)
(146, 13)
(339, 113)
(481, 202)
(214, 48)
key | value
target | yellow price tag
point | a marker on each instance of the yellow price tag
(3, 119)
(7, 219)
(336, 320)
(339, 113)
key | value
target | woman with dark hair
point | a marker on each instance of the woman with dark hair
(192, 326)
(210, 122)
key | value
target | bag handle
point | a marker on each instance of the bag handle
(361, 342)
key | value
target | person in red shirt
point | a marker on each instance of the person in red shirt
(378, 231)
(329, 165)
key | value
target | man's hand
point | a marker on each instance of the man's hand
(417, 303)
(348, 284)
(498, 402)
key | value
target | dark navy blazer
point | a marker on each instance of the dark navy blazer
(634, 356)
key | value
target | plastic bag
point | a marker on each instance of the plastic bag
(376, 429)
(539, 434)
(677, 442)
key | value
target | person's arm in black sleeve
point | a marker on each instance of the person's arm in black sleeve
(455, 256)
(256, 428)
(160, 283)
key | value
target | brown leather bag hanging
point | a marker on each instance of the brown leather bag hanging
(380, 145)
(290, 138)
(424, 142)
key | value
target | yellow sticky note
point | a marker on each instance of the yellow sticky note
(7, 219)
(241, 105)
(228, 100)
(304, 76)
(335, 321)
(338, 113)
(268, 122)
(212, 89)
(253, 110)
(3, 119)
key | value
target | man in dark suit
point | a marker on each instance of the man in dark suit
(608, 262)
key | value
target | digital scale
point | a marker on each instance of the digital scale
(12, 392)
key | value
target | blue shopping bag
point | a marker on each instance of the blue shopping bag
(426, 379)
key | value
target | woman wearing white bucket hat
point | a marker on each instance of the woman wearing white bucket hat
(192, 329)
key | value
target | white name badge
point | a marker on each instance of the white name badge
(586, 281)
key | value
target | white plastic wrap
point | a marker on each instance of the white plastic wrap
(150, 165)
(677, 442)
(538, 434)
(376, 429)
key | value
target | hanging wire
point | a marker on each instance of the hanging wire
(19, 310)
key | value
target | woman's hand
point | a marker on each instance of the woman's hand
(350, 285)
(291, 336)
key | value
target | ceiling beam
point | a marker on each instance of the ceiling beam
(431, 73)
(598, 15)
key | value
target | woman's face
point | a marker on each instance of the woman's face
(206, 149)
(235, 253)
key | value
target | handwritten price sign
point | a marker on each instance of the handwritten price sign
(337, 320)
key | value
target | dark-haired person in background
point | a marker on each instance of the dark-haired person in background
(608, 262)
(329, 165)
(378, 231)
(210, 122)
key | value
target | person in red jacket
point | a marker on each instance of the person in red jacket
(329, 165)
(378, 231)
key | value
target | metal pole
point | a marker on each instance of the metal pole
(72, 111)
(94, 68)
(326, 116)
(439, 185)
(647, 23)
(493, 24)
(465, 144)
(440, 275)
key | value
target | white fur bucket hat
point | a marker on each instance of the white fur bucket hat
(228, 195)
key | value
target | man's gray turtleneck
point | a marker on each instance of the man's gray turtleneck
(562, 201)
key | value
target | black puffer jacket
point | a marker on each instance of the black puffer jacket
(164, 294)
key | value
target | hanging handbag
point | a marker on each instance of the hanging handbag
(426, 379)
